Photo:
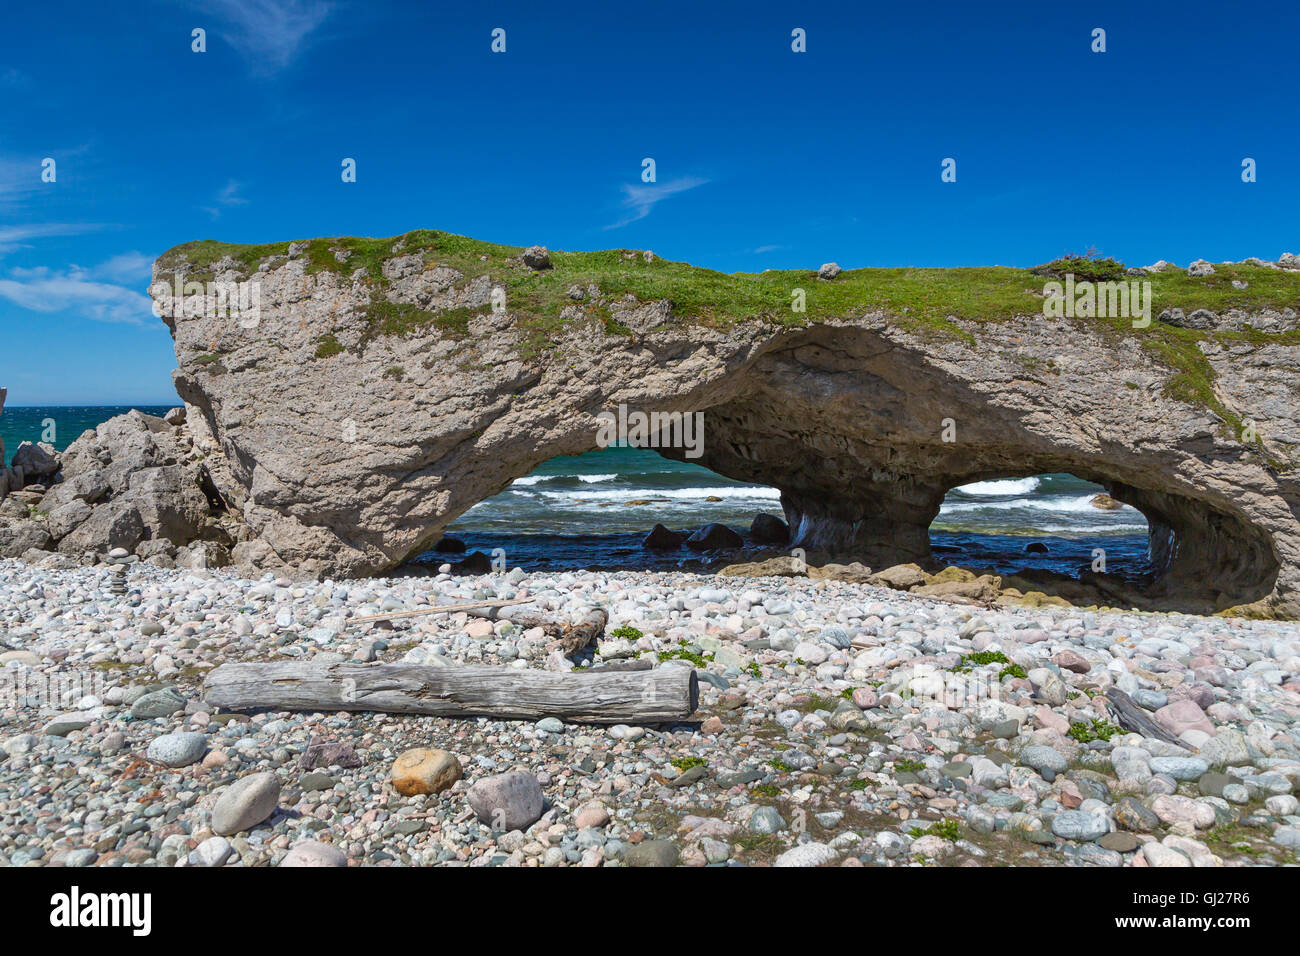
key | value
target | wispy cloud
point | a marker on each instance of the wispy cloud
(762, 249)
(93, 293)
(640, 200)
(20, 176)
(228, 197)
(16, 237)
(270, 33)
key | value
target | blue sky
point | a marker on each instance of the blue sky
(765, 158)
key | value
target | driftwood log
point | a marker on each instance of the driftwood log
(604, 697)
(1134, 718)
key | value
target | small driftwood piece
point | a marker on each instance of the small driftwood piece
(572, 636)
(444, 609)
(605, 697)
(1134, 718)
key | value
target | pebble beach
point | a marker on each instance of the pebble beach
(838, 724)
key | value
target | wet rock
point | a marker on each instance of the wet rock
(714, 537)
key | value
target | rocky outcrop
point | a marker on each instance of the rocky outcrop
(386, 386)
(136, 483)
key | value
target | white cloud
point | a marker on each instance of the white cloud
(270, 32)
(93, 293)
(124, 267)
(640, 200)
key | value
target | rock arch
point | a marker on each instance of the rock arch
(341, 465)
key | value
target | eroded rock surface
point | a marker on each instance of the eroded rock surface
(368, 403)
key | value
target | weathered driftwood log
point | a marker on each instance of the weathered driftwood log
(573, 636)
(1130, 715)
(606, 697)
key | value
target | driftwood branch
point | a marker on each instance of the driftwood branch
(572, 636)
(444, 609)
(1130, 715)
(604, 697)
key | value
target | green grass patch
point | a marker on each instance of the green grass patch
(1096, 729)
(682, 654)
(982, 658)
(327, 346)
(949, 830)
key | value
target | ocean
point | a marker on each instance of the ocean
(592, 510)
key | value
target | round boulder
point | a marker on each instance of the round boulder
(537, 257)
(713, 537)
(424, 771)
(177, 750)
(314, 853)
(661, 539)
(508, 801)
(245, 804)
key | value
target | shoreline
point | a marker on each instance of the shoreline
(838, 723)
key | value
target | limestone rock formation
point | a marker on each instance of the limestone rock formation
(383, 387)
(133, 481)
(368, 407)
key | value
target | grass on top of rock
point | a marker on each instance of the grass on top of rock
(934, 302)
(912, 295)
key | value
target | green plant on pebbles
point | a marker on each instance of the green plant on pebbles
(682, 654)
(908, 766)
(1012, 670)
(981, 658)
(686, 763)
(949, 830)
(626, 633)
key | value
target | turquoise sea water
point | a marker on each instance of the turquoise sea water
(592, 510)
(595, 508)
(60, 425)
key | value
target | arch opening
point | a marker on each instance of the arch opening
(1046, 533)
(1097, 541)
(595, 511)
